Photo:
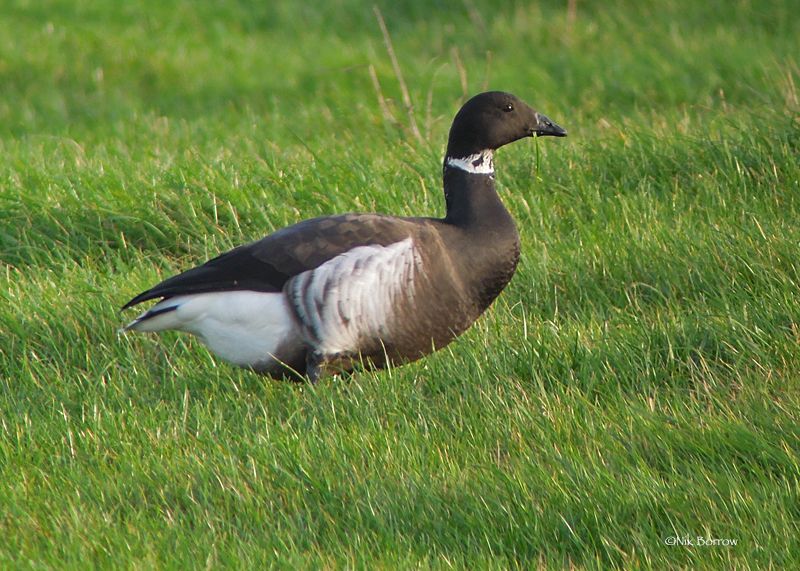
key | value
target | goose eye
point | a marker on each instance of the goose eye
(508, 108)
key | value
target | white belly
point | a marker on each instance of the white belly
(246, 328)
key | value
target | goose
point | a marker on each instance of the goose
(318, 297)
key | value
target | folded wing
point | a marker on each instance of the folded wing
(268, 264)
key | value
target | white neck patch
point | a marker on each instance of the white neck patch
(479, 163)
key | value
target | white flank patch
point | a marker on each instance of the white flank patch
(354, 296)
(479, 163)
(242, 327)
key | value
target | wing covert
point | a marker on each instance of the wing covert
(267, 264)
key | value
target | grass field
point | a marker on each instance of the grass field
(638, 380)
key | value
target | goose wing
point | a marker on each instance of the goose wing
(268, 264)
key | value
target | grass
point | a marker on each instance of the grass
(637, 380)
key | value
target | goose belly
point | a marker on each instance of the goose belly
(245, 328)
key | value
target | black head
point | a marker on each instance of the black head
(493, 119)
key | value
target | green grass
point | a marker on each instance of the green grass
(637, 380)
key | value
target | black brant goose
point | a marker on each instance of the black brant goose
(324, 294)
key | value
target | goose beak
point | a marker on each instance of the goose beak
(545, 127)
